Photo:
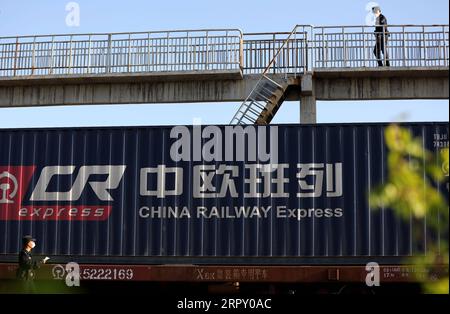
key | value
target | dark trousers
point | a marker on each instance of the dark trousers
(27, 286)
(381, 47)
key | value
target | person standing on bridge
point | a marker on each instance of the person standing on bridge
(381, 37)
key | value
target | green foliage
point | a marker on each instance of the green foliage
(411, 191)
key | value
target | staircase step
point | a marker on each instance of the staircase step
(264, 99)
(262, 104)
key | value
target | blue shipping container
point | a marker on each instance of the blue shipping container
(285, 194)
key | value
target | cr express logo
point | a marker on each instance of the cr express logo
(8, 187)
(56, 205)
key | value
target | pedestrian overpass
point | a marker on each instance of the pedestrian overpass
(259, 70)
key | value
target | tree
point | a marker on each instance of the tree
(411, 189)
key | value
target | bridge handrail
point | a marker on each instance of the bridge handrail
(223, 48)
(389, 25)
(94, 53)
(356, 46)
(128, 33)
(218, 29)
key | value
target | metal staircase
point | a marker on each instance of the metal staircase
(265, 98)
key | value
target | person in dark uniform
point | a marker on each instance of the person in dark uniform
(27, 265)
(381, 37)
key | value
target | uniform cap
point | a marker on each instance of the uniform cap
(27, 239)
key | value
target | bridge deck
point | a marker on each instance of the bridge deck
(221, 65)
(59, 79)
(200, 51)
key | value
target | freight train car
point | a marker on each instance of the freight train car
(279, 203)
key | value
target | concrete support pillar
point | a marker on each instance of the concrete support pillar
(307, 99)
(308, 109)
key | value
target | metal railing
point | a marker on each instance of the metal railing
(222, 49)
(159, 51)
(259, 49)
(287, 58)
(406, 46)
